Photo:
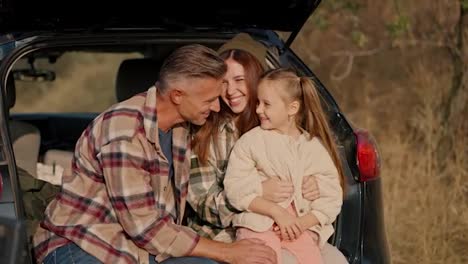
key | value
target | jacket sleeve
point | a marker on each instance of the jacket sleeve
(130, 191)
(206, 192)
(242, 182)
(328, 205)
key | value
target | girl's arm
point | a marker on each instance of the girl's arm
(307, 221)
(242, 182)
(291, 227)
(328, 205)
(310, 190)
(264, 207)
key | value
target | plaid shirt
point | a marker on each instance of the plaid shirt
(119, 204)
(213, 213)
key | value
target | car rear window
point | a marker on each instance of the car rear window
(84, 82)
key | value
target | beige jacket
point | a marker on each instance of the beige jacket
(260, 154)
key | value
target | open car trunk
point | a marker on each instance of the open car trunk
(24, 15)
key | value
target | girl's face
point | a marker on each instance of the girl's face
(235, 93)
(272, 109)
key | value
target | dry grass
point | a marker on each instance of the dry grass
(425, 196)
(397, 94)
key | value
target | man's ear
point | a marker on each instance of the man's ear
(176, 96)
(293, 108)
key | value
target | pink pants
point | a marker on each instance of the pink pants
(305, 248)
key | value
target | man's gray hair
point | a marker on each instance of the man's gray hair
(190, 61)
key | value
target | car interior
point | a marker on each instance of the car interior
(58, 137)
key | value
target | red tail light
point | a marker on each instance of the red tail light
(368, 159)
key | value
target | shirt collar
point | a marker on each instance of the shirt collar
(150, 116)
(150, 119)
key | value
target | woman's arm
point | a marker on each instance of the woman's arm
(206, 193)
(277, 190)
(310, 190)
(307, 221)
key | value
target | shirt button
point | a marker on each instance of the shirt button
(165, 188)
(301, 211)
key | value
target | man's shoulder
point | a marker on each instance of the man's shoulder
(122, 121)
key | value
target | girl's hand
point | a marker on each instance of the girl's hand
(310, 190)
(277, 230)
(289, 225)
(276, 190)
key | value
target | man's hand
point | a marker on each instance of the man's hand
(276, 190)
(250, 251)
(310, 190)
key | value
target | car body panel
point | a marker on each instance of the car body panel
(374, 240)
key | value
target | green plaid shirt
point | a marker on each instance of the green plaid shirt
(213, 213)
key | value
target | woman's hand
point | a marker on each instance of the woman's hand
(276, 190)
(288, 225)
(310, 190)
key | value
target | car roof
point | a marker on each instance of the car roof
(59, 15)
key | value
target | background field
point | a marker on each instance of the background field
(398, 69)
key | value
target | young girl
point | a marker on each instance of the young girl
(293, 140)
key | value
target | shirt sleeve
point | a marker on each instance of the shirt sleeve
(242, 182)
(328, 205)
(206, 192)
(130, 191)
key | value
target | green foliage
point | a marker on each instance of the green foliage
(359, 38)
(464, 5)
(348, 8)
(321, 22)
(333, 5)
(350, 5)
(399, 26)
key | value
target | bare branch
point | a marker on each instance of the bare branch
(349, 66)
(426, 43)
(349, 56)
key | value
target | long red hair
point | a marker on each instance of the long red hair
(246, 120)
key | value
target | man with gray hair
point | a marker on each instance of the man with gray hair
(125, 199)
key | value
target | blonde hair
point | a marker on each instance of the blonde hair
(311, 116)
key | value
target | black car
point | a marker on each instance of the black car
(49, 30)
